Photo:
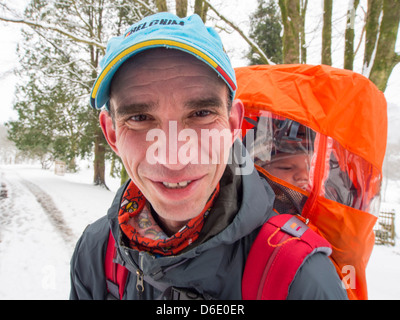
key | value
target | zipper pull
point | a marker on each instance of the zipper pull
(139, 281)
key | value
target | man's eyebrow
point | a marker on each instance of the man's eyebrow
(133, 108)
(200, 103)
(139, 108)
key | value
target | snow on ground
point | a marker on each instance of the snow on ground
(383, 270)
(35, 247)
(42, 215)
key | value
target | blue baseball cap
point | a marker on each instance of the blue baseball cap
(163, 30)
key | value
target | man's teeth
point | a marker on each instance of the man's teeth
(175, 185)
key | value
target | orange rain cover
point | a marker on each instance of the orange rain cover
(342, 105)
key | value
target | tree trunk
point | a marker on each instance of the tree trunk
(371, 33)
(99, 141)
(161, 5)
(200, 8)
(290, 10)
(99, 158)
(386, 58)
(113, 167)
(326, 53)
(181, 8)
(349, 35)
(303, 49)
(124, 174)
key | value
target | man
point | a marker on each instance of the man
(186, 219)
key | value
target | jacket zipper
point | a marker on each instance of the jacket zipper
(139, 281)
(139, 272)
(140, 276)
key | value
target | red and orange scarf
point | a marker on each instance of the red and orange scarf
(143, 232)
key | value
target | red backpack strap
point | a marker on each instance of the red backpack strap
(280, 249)
(116, 274)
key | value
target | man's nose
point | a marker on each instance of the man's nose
(180, 145)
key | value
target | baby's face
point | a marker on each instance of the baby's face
(292, 168)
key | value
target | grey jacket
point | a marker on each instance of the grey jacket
(212, 266)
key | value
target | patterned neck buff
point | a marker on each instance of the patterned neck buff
(143, 232)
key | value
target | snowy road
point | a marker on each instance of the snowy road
(35, 242)
(42, 216)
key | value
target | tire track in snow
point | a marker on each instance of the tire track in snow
(54, 214)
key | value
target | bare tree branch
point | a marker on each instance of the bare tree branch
(145, 6)
(360, 41)
(252, 44)
(46, 26)
(90, 28)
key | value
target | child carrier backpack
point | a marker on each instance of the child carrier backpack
(336, 121)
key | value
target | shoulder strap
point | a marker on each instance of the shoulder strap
(280, 249)
(116, 274)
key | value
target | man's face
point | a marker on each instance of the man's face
(167, 91)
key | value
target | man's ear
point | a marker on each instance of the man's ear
(108, 129)
(236, 118)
